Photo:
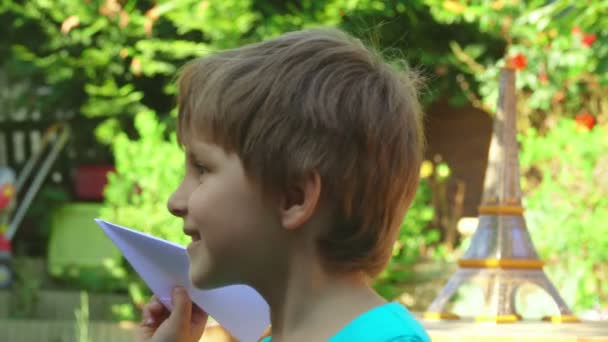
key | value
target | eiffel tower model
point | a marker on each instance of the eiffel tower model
(501, 256)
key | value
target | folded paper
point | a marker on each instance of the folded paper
(163, 265)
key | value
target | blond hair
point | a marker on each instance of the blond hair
(316, 100)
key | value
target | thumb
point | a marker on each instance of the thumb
(182, 310)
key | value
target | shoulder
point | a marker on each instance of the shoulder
(391, 322)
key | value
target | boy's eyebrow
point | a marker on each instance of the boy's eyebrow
(193, 156)
(200, 151)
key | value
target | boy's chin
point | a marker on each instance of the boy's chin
(204, 280)
(205, 275)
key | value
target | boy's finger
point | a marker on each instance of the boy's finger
(199, 321)
(198, 314)
(156, 308)
(153, 312)
(147, 315)
(182, 309)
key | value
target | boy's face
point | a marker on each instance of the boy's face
(231, 225)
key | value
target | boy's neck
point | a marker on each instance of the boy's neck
(309, 303)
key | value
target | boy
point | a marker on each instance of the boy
(302, 157)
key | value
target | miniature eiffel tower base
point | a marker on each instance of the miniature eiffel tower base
(500, 287)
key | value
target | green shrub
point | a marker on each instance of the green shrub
(561, 50)
(113, 59)
(148, 170)
(566, 187)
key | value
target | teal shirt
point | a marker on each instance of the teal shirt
(390, 322)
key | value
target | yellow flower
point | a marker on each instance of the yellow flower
(426, 169)
(454, 6)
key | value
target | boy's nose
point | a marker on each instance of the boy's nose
(177, 205)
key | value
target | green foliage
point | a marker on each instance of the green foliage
(567, 207)
(111, 58)
(118, 58)
(148, 169)
(561, 43)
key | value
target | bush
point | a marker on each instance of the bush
(558, 46)
(114, 59)
(148, 170)
(566, 187)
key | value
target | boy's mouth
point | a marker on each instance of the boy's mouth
(193, 234)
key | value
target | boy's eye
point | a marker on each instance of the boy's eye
(201, 169)
(196, 165)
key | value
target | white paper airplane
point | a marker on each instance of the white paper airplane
(163, 265)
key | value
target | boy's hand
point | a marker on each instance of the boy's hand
(184, 324)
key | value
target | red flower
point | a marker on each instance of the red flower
(585, 120)
(576, 30)
(588, 39)
(517, 62)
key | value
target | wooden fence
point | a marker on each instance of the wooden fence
(20, 140)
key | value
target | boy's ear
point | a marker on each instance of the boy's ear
(300, 200)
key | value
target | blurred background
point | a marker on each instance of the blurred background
(87, 128)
